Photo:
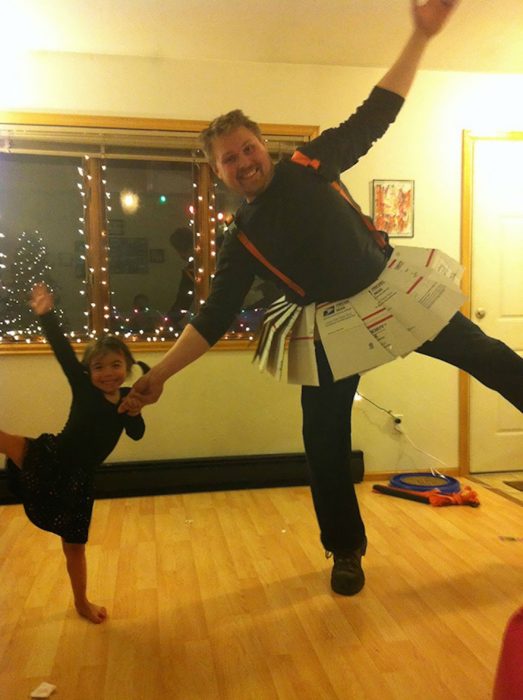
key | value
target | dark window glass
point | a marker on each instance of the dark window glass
(124, 223)
(42, 234)
(151, 248)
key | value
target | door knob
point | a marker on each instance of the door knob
(480, 313)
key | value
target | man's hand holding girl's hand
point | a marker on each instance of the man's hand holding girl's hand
(145, 390)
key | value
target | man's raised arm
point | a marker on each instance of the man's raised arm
(428, 20)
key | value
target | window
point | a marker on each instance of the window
(123, 219)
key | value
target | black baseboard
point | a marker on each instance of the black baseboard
(124, 479)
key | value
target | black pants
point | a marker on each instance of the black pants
(327, 421)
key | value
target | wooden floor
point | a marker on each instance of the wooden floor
(226, 595)
(497, 481)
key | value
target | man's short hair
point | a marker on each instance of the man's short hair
(224, 124)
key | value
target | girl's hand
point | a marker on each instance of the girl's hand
(132, 407)
(42, 300)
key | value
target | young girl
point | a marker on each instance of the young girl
(54, 474)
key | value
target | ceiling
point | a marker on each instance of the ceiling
(482, 36)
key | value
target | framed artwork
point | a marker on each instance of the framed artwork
(393, 207)
(116, 227)
(156, 255)
(129, 256)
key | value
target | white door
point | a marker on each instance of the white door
(496, 427)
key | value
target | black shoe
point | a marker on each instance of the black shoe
(347, 576)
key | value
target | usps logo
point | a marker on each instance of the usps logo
(329, 311)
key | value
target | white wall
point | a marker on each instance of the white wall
(222, 405)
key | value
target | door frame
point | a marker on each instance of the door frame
(469, 141)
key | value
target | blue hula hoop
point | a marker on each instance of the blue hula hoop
(425, 481)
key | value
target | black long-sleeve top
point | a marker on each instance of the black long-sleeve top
(303, 226)
(94, 425)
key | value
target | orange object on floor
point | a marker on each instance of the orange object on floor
(508, 684)
(465, 497)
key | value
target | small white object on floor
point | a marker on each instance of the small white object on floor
(44, 690)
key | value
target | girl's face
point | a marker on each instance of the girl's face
(108, 371)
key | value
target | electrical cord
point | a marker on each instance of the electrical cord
(385, 410)
(433, 470)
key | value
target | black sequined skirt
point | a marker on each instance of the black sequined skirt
(56, 497)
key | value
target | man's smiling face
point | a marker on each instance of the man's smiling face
(242, 162)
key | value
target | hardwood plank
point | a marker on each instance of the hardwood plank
(225, 596)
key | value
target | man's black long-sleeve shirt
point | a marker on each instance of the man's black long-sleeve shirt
(303, 226)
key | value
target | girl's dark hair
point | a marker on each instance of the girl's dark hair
(111, 343)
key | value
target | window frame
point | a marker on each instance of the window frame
(112, 137)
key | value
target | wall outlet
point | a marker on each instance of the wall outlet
(397, 421)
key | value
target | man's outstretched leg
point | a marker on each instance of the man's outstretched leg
(463, 344)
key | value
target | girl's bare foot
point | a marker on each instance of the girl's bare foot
(93, 613)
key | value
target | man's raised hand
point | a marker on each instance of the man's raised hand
(430, 16)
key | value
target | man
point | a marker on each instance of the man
(296, 229)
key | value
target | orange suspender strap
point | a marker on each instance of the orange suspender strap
(302, 159)
(259, 255)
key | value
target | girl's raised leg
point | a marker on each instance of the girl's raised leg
(77, 570)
